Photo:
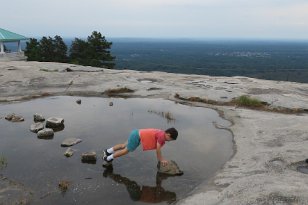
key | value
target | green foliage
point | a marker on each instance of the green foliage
(47, 49)
(60, 50)
(247, 101)
(33, 50)
(78, 52)
(93, 52)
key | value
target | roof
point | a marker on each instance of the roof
(8, 36)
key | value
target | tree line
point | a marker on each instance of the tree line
(94, 51)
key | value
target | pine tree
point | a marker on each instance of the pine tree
(33, 50)
(47, 49)
(60, 50)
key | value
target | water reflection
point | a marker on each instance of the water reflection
(143, 193)
(98, 124)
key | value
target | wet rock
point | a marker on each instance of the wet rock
(70, 142)
(14, 118)
(58, 129)
(46, 133)
(111, 104)
(68, 70)
(78, 101)
(54, 122)
(170, 169)
(69, 152)
(64, 185)
(36, 127)
(38, 117)
(88, 157)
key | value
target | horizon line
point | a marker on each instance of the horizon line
(192, 38)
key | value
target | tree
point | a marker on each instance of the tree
(33, 50)
(100, 48)
(60, 50)
(78, 52)
(93, 52)
(47, 49)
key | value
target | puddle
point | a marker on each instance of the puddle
(200, 150)
(303, 169)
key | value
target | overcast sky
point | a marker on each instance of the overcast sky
(244, 19)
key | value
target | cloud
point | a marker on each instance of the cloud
(150, 18)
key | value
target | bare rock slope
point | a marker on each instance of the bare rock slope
(268, 145)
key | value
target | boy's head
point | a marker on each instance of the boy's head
(173, 133)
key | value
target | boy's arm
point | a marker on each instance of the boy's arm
(159, 155)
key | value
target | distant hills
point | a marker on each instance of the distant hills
(273, 60)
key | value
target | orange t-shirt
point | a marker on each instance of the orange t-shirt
(150, 137)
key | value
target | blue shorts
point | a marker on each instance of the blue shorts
(133, 140)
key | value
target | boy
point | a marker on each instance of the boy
(149, 138)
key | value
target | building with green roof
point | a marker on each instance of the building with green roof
(8, 36)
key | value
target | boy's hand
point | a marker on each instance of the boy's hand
(164, 162)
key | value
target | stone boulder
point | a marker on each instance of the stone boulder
(54, 122)
(14, 118)
(69, 152)
(46, 133)
(88, 157)
(36, 127)
(70, 142)
(170, 169)
(38, 117)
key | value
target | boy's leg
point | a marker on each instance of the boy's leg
(120, 153)
(115, 148)
(119, 146)
(122, 149)
(115, 151)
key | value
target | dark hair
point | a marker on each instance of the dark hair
(173, 132)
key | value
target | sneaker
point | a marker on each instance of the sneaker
(106, 160)
(105, 153)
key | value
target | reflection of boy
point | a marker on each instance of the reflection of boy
(149, 138)
(148, 194)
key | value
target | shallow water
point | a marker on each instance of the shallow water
(200, 150)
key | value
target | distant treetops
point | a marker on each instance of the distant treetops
(95, 51)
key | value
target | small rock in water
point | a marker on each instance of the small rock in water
(88, 157)
(14, 118)
(78, 101)
(38, 117)
(46, 133)
(59, 128)
(70, 142)
(111, 104)
(36, 127)
(54, 122)
(170, 169)
(69, 152)
(64, 185)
